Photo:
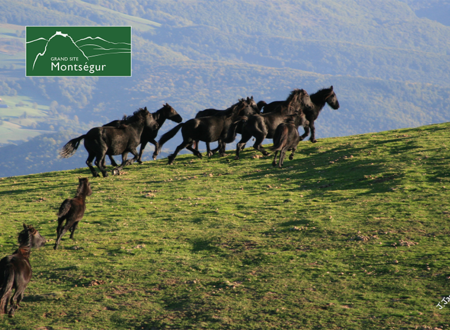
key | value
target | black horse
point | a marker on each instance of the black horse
(325, 95)
(150, 132)
(252, 108)
(318, 99)
(72, 210)
(207, 129)
(108, 140)
(15, 270)
(286, 138)
(263, 126)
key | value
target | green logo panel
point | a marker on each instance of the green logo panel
(78, 51)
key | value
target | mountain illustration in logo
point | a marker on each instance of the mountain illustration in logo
(91, 54)
(60, 46)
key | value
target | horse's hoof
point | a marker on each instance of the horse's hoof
(291, 157)
(236, 157)
(154, 157)
(274, 164)
(313, 141)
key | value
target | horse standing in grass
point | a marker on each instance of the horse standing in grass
(15, 270)
(318, 99)
(252, 108)
(109, 140)
(263, 126)
(207, 129)
(286, 138)
(72, 210)
(150, 132)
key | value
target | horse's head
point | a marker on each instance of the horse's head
(84, 187)
(30, 237)
(253, 105)
(171, 114)
(261, 104)
(332, 100)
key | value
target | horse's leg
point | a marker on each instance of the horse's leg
(259, 138)
(291, 156)
(274, 163)
(89, 164)
(16, 299)
(113, 162)
(61, 232)
(194, 151)
(143, 144)
(313, 132)
(209, 153)
(282, 154)
(306, 128)
(117, 170)
(241, 144)
(5, 293)
(100, 157)
(222, 146)
(183, 145)
(155, 153)
(72, 229)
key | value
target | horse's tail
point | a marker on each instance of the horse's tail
(64, 208)
(280, 138)
(232, 130)
(167, 136)
(70, 147)
(6, 284)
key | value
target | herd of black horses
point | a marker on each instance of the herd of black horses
(278, 120)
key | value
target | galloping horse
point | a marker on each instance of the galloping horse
(319, 98)
(325, 95)
(207, 129)
(15, 270)
(150, 132)
(108, 140)
(286, 138)
(263, 126)
(252, 108)
(72, 211)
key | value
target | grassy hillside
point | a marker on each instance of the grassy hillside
(351, 234)
(379, 55)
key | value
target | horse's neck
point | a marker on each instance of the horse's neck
(157, 116)
(318, 102)
(24, 251)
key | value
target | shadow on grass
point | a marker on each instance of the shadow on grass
(337, 169)
(201, 244)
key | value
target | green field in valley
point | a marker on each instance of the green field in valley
(351, 234)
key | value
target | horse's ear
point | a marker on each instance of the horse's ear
(251, 98)
(331, 87)
(25, 226)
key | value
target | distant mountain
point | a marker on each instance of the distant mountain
(387, 63)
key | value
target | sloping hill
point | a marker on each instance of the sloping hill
(353, 233)
(388, 66)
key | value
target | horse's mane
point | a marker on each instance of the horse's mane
(137, 116)
(294, 100)
(82, 187)
(24, 236)
(321, 95)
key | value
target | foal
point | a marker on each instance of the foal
(15, 270)
(286, 137)
(72, 210)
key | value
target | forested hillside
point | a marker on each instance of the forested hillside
(387, 60)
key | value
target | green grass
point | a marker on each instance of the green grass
(351, 234)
